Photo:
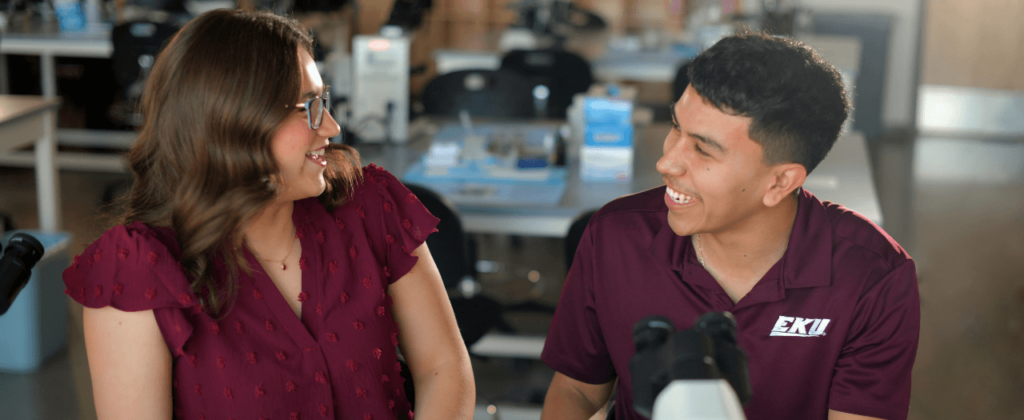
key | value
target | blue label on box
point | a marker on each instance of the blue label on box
(608, 122)
(70, 15)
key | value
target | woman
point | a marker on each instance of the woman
(259, 273)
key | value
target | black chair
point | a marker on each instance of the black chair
(455, 259)
(136, 45)
(681, 81)
(572, 239)
(565, 74)
(484, 93)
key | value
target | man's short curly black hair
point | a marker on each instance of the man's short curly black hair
(796, 99)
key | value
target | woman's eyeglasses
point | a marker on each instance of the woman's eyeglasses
(315, 108)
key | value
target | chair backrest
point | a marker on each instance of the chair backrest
(681, 81)
(484, 93)
(572, 239)
(133, 42)
(448, 244)
(564, 73)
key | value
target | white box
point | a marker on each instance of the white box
(606, 163)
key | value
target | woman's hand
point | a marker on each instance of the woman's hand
(429, 338)
(129, 363)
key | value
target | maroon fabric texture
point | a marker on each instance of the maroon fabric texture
(261, 361)
(839, 267)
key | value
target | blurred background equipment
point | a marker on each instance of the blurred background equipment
(380, 87)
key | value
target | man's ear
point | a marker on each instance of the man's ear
(785, 179)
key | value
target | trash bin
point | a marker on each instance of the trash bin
(36, 325)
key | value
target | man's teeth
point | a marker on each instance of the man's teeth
(678, 196)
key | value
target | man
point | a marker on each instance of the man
(825, 301)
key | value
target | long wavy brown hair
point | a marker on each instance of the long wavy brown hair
(202, 162)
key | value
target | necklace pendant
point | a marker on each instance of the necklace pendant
(283, 267)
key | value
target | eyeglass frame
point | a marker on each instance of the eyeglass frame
(326, 99)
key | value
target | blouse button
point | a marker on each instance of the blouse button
(323, 410)
(320, 236)
(150, 293)
(290, 386)
(321, 377)
(97, 291)
(118, 289)
(251, 357)
(360, 391)
(352, 365)
(259, 390)
(281, 355)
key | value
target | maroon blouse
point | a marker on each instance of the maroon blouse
(261, 361)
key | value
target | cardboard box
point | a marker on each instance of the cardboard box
(468, 11)
(468, 36)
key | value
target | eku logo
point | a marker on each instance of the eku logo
(788, 326)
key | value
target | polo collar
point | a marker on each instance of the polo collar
(806, 263)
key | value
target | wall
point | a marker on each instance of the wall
(901, 74)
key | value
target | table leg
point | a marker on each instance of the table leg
(48, 75)
(47, 180)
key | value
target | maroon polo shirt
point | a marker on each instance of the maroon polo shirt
(832, 325)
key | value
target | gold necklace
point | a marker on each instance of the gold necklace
(290, 246)
(700, 250)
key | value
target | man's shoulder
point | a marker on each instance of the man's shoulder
(855, 230)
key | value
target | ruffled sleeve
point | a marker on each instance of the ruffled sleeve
(131, 269)
(406, 222)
